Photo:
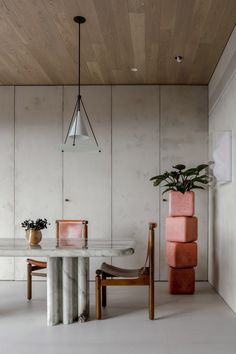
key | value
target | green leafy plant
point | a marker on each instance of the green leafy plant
(182, 180)
(39, 224)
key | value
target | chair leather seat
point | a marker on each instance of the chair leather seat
(113, 271)
(35, 262)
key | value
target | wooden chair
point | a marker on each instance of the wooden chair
(65, 229)
(120, 276)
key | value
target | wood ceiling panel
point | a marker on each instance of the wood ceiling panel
(39, 40)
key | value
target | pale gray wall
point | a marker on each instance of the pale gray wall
(142, 130)
(38, 164)
(222, 240)
(135, 158)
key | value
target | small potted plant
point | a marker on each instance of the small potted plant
(181, 182)
(33, 230)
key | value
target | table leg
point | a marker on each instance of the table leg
(70, 289)
(83, 288)
(54, 290)
(75, 288)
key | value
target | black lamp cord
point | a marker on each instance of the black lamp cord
(79, 65)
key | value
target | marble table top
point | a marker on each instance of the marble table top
(49, 247)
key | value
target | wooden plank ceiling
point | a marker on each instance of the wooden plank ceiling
(39, 40)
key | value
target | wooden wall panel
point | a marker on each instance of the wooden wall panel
(7, 175)
(38, 168)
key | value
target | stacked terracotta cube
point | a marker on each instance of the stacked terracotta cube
(181, 248)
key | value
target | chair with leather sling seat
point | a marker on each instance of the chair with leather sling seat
(119, 276)
(70, 229)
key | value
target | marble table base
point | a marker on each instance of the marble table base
(67, 290)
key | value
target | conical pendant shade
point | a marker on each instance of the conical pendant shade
(80, 136)
(78, 127)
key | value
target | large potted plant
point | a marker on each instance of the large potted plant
(181, 225)
(180, 184)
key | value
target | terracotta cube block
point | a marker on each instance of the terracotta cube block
(181, 255)
(181, 204)
(181, 281)
(181, 229)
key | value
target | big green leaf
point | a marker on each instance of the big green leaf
(157, 182)
(197, 187)
(202, 167)
(179, 167)
(169, 189)
(190, 172)
(170, 185)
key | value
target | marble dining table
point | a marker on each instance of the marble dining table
(67, 271)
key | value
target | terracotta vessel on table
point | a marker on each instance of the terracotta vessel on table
(33, 237)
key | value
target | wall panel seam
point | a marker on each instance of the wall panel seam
(208, 157)
(62, 154)
(111, 98)
(14, 172)
(159, 191)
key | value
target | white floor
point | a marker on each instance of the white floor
(198, 324)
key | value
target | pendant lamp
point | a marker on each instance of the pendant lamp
(80, 135)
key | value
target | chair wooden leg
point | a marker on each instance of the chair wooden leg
(29, 281)
(104, 293)
(98, 297)
(151, 300)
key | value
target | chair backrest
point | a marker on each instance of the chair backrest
(150, 258)
(151, 247)
(72, 229)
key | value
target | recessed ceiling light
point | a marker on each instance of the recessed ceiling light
(179, 58)
(134, 69)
